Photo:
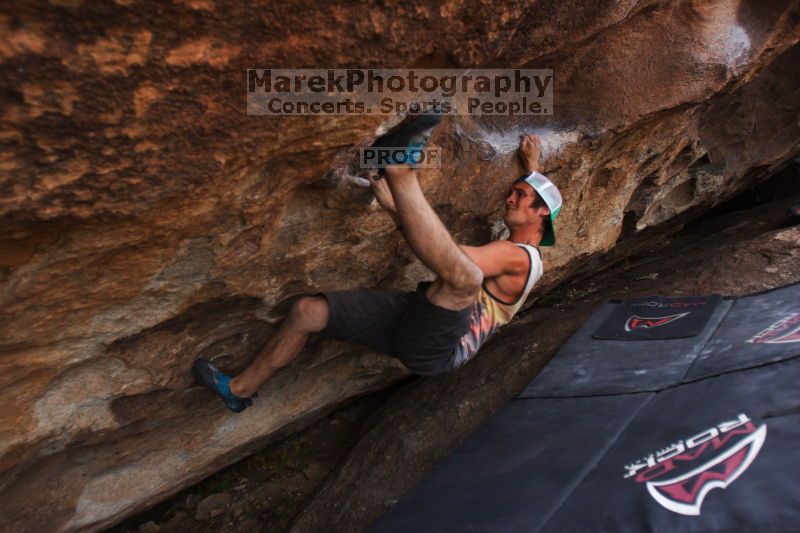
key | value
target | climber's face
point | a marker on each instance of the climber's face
(524, 207)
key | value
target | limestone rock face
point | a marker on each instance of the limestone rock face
(147, 220)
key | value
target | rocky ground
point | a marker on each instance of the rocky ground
(266, 491)
(343, 471)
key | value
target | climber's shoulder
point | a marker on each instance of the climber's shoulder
(498, 258)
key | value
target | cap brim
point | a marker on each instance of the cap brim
(549, 238)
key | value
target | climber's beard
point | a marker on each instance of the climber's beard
(515, 218)
(511, 217)
(514, 214)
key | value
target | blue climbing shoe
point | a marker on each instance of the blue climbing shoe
(215, 380)
(413, 134)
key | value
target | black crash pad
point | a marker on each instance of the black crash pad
(588, 366)
(758, 329)
(513, 473)
(658, 317)
(721, 455)
(683, 429)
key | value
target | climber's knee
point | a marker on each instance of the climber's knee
(309, 314)
(461, 281)
(454, 296)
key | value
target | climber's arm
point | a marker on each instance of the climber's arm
(494, 259)
(498, 257)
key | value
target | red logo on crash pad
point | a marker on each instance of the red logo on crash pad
(641, 322)
(783, 331)
(681, 475)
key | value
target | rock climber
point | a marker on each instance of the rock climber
(442, 324)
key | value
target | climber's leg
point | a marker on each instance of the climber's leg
(309, 314)
(459, 278)
(403, 324)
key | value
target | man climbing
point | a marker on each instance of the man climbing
(442, 324)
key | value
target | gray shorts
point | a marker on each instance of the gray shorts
(403, 324)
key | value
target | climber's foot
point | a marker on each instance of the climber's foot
(530, 150)
(215, 380)
(413, 134)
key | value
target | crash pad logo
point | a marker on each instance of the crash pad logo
(681, 475)
(641, 322)
(783, 331)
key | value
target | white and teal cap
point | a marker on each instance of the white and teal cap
(551, 196)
